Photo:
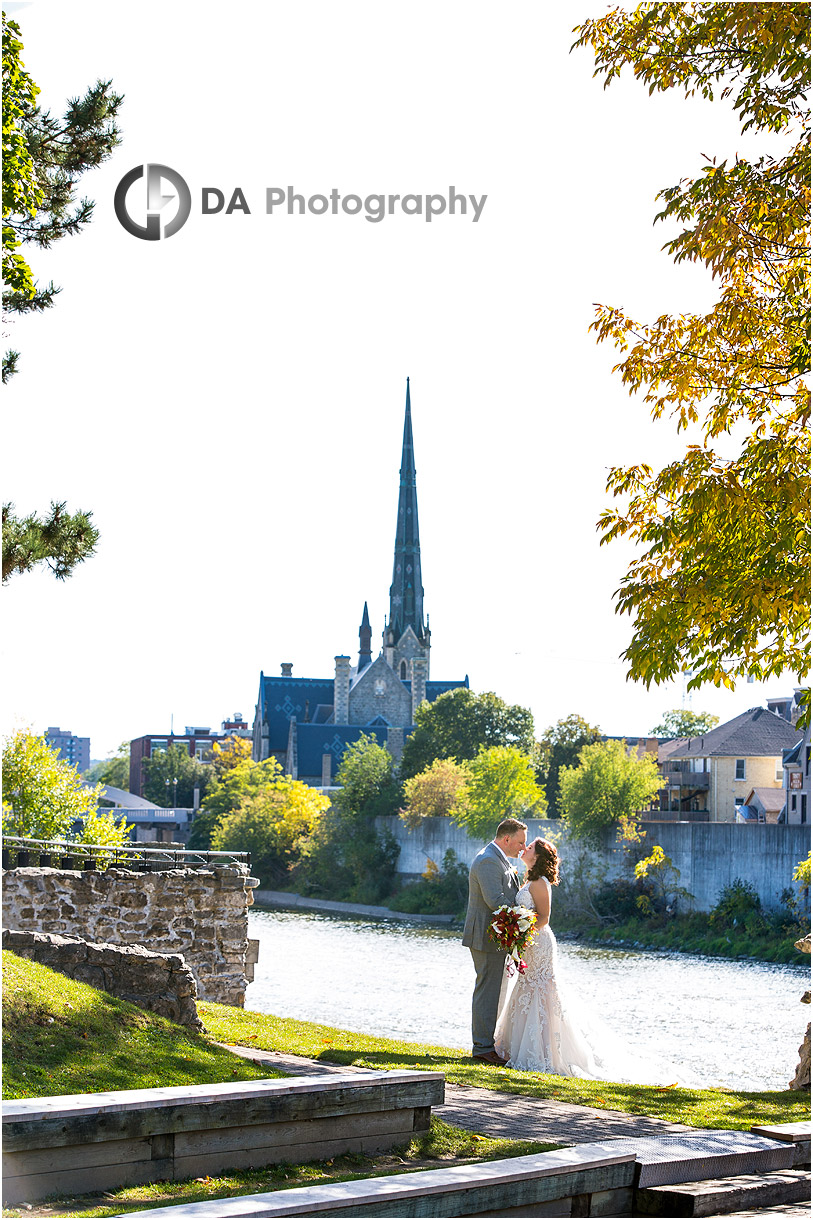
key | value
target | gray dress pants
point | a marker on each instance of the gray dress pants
(489, 965)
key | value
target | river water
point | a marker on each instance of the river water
(737, 1024)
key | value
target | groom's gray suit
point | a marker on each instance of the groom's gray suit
(493, 881)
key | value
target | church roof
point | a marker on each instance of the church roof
(282, 699)
(314, 740)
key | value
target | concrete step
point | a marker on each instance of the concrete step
(723, 1196)
(700, 1156)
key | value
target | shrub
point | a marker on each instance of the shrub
(734, 904)
(440, 890)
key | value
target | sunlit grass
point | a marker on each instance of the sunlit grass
(60, 1036)
(709, 1108)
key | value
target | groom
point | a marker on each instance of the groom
(493, 881)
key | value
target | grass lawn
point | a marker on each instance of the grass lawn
(60, 1036)
(711, 1108)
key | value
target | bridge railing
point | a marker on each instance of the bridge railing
(62, 853)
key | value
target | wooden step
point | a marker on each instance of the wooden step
(722, 1196)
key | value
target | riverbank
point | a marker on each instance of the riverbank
(690, 934)
(285, 901)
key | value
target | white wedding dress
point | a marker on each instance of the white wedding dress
(538, 1031)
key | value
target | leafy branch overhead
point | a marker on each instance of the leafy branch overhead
(43, 160)
(720, 584)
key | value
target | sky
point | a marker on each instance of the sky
(228, 401)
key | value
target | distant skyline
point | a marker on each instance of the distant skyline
(229, 402)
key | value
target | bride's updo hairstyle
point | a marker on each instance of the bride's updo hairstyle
(546, 863)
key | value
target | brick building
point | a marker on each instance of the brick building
(195, 740)
(308, 723)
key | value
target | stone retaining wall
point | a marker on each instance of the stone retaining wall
(160, 982)
(200, 913)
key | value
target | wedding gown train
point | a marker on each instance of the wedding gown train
(538, 1029)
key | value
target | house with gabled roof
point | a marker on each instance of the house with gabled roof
(715, 772)
(308, 723)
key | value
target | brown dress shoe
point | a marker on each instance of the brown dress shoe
(490, 1057)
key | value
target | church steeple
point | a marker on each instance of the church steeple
(365, 641)
(406, 590)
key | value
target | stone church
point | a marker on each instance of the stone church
(308, 723)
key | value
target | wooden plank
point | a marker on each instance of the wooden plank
(284, 1135)
(485, 1199)
(30, 1187)
(19, 1134)
(193, 1166)
(77, 1156)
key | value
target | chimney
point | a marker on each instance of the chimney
(418, 683)
(341, 691)
(287, 666)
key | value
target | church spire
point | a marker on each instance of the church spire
(406, 590)
(365, 641)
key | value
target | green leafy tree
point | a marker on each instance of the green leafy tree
(459, 723)
(681, 722)
(272, 823)
(43, 795)
(435, 792)
(234, 779)
(114, 771)
(502, 784)
(609, 782)
(664, 891)
(720, 584)
(165, 767)
(43, 160)
(559, 747)
(348, 857)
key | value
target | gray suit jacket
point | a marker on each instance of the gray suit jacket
(492, 883)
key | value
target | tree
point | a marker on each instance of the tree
(164, 768)
(43, 795)
(435, 791)
(366, 780)
(59, 539)
(609, 782)
(720, 586)
(681, 722)
(348, 856)
(559, 747)
(114, 771)
(234, 780)
(271, 823)
(230, 754)
(502, 784)
(43, 159)
(459, 723)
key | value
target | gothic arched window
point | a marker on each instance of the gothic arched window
(403, 669)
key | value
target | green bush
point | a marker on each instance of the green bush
(735, 904)
(441, 891)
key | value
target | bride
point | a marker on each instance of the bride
(536, 1027)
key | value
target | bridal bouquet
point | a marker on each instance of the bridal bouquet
(512, 928)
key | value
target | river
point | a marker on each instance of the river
(736, 1024)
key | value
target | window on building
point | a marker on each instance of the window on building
(793, 804)
(807, 761)
(804, 808)
(202, 748)
(403, 669)
(157, 746)
(780, 770)
(739, 800)
(739, 769)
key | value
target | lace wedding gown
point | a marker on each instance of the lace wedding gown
(538, 1031)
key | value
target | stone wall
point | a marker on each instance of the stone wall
(200, 913)
(710, 855)
(160, 982)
